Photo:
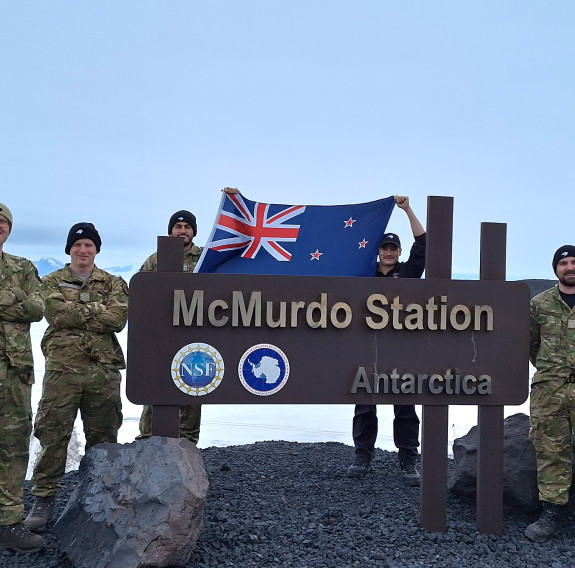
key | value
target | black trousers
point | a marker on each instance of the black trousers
(405, 431)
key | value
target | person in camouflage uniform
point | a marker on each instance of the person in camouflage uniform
(182, 224)
(85, 308)
(20, 304)
(552, 352)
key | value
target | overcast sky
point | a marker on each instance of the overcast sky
(122, 112)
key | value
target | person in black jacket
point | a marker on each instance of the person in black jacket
(406, 421)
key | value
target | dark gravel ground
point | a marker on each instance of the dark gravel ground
(289, 505)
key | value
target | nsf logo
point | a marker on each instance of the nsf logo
(264, 369)
(197, 369)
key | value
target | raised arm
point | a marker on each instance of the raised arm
(402, 201)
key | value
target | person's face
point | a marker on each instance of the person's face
(4, 229)
(82, 254)
(184, 231)
(566, 271)
(389, 254)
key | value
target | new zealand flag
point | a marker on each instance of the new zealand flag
(309, 240)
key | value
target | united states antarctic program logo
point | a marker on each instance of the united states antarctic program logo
(264, 369)
(197, 369)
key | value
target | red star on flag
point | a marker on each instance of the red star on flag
(349, 223)
(315, 255)
(362, 244)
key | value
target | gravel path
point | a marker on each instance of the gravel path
(289, 505)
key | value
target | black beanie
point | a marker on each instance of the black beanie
(183, 216)
(562, 252)
(83, 231)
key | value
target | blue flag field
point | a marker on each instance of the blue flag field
(308, 240)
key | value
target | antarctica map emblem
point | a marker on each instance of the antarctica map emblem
(263, 369)
(197, 369)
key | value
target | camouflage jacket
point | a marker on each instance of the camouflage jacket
(191, 257)
(20, 304)
(80, 332)
(552, 336)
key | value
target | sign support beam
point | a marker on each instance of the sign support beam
(166, 419)
(490, 418)
(433, 511)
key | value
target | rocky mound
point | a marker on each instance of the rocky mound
(289, 505)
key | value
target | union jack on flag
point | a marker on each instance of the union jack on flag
(317, 240)
(252, 231)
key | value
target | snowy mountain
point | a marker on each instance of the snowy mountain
(48, 265)
(126, 272)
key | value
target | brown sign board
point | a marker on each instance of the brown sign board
(344, 340)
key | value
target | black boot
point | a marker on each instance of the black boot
(549, 523)
(18, 538)
(40, 514)
(359, 467)
(410, 474)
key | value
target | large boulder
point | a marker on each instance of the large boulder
(519, 464)
(136, 505)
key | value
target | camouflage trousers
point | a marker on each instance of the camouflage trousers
(190, 417)
(96, 394)
(15, 428)
(552, 422)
